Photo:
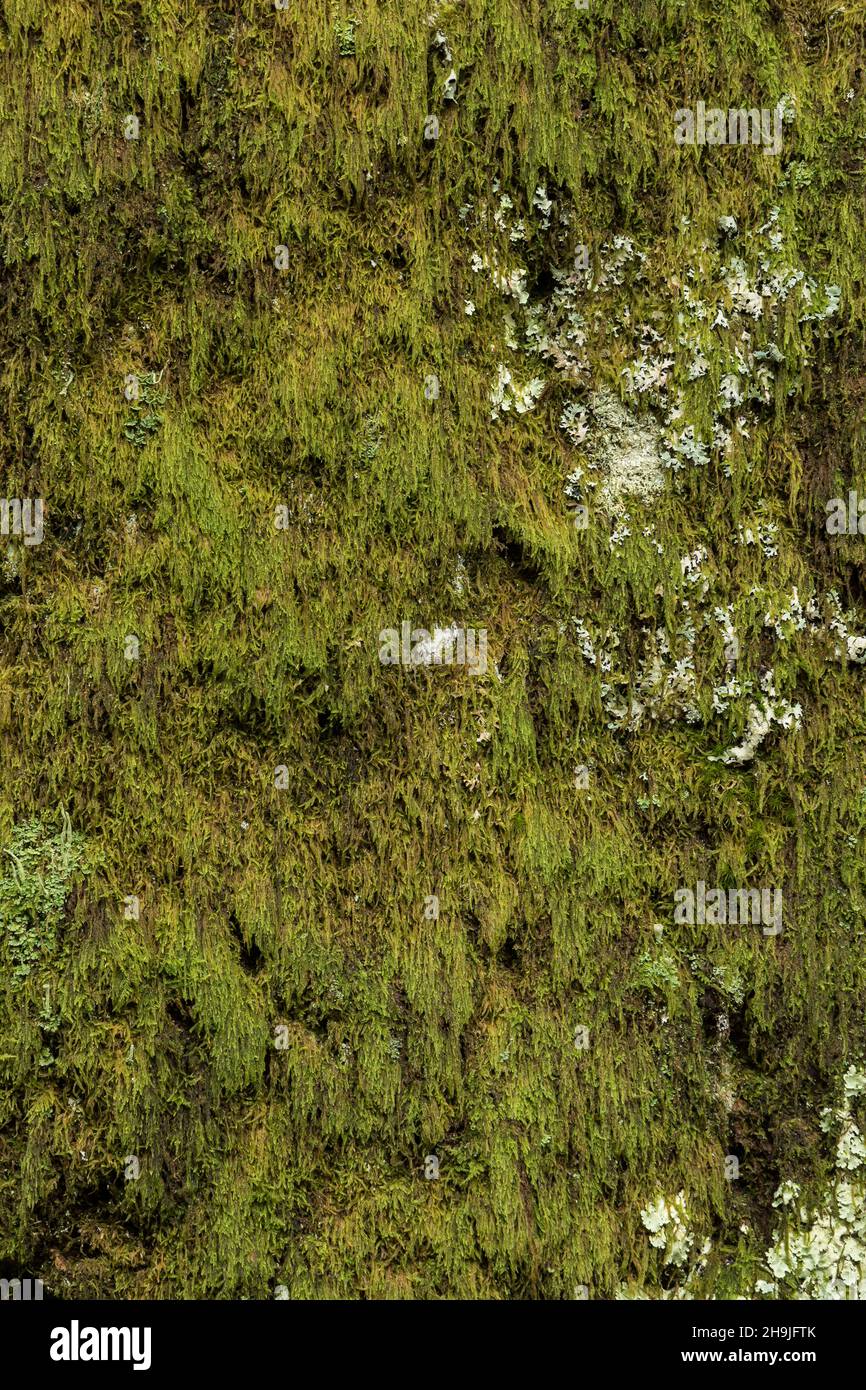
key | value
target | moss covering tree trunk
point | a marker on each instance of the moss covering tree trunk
(329, 973)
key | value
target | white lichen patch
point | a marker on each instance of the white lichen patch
(666, 686)
(624, 450)
(819, 619)
(768, 712)
(728, 317)
(821, 1253)
(666, 1219)
(731, 302)
(506, 395)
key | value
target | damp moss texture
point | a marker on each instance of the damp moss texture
(286, 931)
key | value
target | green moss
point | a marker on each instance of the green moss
(297, 1157)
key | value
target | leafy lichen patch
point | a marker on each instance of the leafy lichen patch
(625, 451)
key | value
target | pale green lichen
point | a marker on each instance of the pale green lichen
(666, 1219)
(821, 1252)
(42, 865)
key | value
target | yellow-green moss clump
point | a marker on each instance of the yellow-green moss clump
(353, 979)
